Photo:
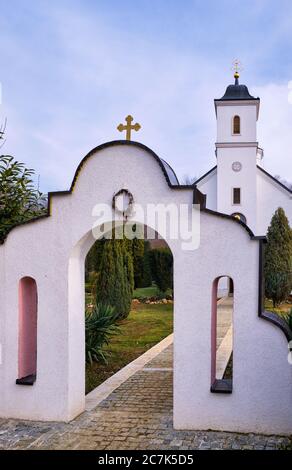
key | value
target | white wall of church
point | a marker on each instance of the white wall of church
(270, 196)
(227, 179)
(208, 186)
(248, 117)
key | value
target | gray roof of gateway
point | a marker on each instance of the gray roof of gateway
(170, 172)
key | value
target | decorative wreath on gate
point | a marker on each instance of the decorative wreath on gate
(125, 212)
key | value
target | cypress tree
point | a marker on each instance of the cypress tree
(147, 276)
(116, 280)
(93, 258)
(162, 268)
(138, 261)
(278, 259)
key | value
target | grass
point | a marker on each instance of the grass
(151, 291)
(282, 310)
(145, 326)
(147, 292)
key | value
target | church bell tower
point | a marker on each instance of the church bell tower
(237, 153)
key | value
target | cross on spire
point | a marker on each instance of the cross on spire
(236, 67)
(129, 127)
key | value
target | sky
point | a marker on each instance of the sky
(71, 71)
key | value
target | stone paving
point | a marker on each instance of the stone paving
(224, 342)
(137, 415)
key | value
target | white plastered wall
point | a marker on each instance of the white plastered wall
(248, 117)
(52, 251)
(270, 196)
(261, 400)
(208, 186)
(227, 179)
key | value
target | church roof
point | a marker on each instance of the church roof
(275, 180)
(237, 92)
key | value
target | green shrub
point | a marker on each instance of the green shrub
(20, 201)
(162, 268)
(278, 259)
(100, 325)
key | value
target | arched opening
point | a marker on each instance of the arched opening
(236, 125)
(149, 321)
(27, 336)
(144, 311)
(222, 335)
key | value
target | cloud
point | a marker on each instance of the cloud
(275, 128)
(76, 75)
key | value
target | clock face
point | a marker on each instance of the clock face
(236, 166)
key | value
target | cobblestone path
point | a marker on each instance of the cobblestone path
(137, 415)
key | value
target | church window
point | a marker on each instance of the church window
(236, 196)
(222, 335)
(27, 331)
(236, 125)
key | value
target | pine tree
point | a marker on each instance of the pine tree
(278, 259)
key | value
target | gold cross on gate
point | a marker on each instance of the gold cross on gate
(129, 127)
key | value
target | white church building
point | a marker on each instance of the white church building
(238, 185)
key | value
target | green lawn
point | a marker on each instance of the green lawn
(151, 291)
(145, 326)
(283, 308)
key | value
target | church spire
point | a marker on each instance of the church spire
(237, 68)
(236, 92)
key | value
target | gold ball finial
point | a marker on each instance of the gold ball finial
(236, 67)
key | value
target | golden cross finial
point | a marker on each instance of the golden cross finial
(236, 67)
(129, 127)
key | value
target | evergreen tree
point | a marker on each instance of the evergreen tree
(93, 258)
(278, 259)
(147, 276)
(116, 279)
(162, 268)
(138, 261)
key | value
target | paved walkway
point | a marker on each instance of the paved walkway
(224, 334)
(136, 415)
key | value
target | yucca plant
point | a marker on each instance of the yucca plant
(100, 326)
